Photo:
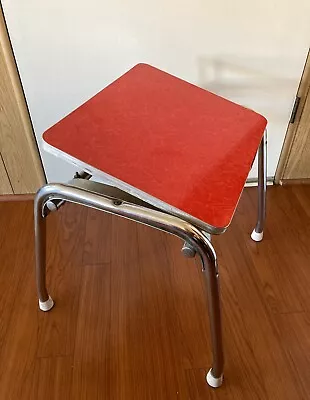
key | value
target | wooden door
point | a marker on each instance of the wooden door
(294, 165)
(20, 165)
(5, 184)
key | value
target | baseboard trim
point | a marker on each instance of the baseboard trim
(254, 181)
(17, 197)
(285, 182)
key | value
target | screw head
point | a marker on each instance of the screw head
(188, 251)
(51, 205)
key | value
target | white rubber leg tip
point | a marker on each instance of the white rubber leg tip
(257, 236)
(46, 305)
(214, 382)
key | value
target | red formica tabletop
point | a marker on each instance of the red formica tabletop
(173, 144)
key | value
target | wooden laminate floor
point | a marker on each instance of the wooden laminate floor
(130, 320)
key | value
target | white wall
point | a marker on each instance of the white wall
(250, 52)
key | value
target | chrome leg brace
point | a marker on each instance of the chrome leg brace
(114, 201)
(258, 232)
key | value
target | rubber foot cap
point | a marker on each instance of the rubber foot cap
(214, 382)
(46, 305)
(257, 236)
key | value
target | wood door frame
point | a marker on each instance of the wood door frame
(19, 151)
(302, 92)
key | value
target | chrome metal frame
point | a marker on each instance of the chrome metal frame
(262, 185)
(145, 214)
(115, 201)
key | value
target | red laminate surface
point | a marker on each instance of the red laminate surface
(170, 139)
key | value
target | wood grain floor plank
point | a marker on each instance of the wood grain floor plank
(188, 292)
(164, 373)
(20, 346)
(133, 323)
(15, 254)
(111, 362)
(52, 378)
(98, 243)
(302, 193)
(295, 339)
(18, 314)
(258, 350)
(91, 355)
(289, 225)
(271, 264)
(65, 241)
(127, 350)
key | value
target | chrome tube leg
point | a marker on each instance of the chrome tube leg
(258, 232)
(211, 278)
(45, 301)
(151, 217)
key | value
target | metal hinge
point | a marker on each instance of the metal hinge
(295, 108)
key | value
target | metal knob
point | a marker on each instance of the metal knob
(188, 250)
(51, 205)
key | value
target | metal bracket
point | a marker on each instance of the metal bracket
(54, 205)
(118, 196)
(111, 192)
(82, 181)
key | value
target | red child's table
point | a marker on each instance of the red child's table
(175, 157)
